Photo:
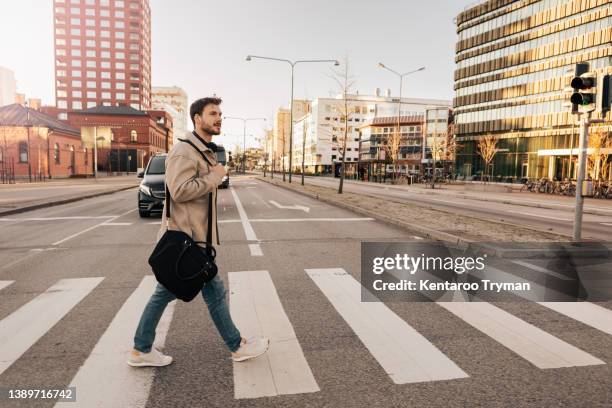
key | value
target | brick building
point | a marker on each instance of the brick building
(102, 54)
(36, 145)
(127, 137)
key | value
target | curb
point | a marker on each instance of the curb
(559, 207)
(60, 202)
(426, 232)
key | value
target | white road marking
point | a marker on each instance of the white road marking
(541, 269)
(4, 284)
(154, 223)
(101, 217)
(301, 220)
(585, 312)
(258, 311)
(538, 216)
(92, 227)
(290, 207)
(115, 224)
(404, 354)
(606, 224)
(540, 348)
(248, 229)
(25, 326)
(419, 238)
(104, 379)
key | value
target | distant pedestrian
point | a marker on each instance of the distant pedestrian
(190, 180)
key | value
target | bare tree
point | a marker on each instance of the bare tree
(600, 143)
(392, 150)
(344, 83)
(487, 148)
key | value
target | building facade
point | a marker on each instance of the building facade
(102, 54)
(173, 100)
(8, 87)
(376, 152)
(126, 138)
(326, 127)
(37, 146)
(281, 130)
(514, 58)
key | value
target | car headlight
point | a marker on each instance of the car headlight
(146, 189)
(225, 177)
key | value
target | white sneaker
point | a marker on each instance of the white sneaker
(251, 348)
(154, 358)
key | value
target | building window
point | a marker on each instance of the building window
(76, 73)
(75, 53)
(91, 84)
(133, 136)
(62, 104)
(92, 94)
(91, 64)
(120, 96)
(77, 105)
(106, 95)
(56, 153)
(105, 33)
(90, 33)
(91, 53)
(91, 104)
(62, 116)
(91, 74)
(23, 152)
(77, 94)
(75, 31)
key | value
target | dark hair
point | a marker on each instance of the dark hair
(198, 106)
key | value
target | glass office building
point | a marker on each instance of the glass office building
(514, 59)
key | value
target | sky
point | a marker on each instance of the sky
(201, 46)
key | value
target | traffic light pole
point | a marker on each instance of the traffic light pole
(583, 142)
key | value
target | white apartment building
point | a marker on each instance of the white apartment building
(173, 100)
(323, 127)
(8, 86)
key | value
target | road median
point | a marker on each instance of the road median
(422, 219)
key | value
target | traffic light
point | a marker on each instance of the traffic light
(606, 94)
(584, 95)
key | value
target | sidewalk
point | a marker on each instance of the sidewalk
(21, 197)
(525, 199)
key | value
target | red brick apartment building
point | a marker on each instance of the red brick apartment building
(102, 54)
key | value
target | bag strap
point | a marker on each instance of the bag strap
(210, 196)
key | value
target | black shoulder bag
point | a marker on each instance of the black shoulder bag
(179, 263)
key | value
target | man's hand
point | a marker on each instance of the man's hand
(219, 170)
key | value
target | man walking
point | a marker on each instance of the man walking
(190, 180)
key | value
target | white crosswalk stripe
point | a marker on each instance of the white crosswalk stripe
(24, 327)
(404, 354)
(533, 344)
(4, 284)
(256, 309)
(585, 312)
(105, 380)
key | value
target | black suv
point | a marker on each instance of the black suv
(152, 190)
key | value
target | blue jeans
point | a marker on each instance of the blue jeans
(213, 293)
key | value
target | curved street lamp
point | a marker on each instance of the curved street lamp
(293, 64)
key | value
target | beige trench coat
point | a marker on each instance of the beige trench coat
(189, 180)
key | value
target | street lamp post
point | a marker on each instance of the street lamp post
(399, 102)
(244, 121)
(293, 64)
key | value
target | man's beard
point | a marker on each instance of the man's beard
(210, 130)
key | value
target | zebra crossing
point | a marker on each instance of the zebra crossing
(405, 355)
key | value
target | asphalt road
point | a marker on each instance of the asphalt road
(597, 227)
(328, 349)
